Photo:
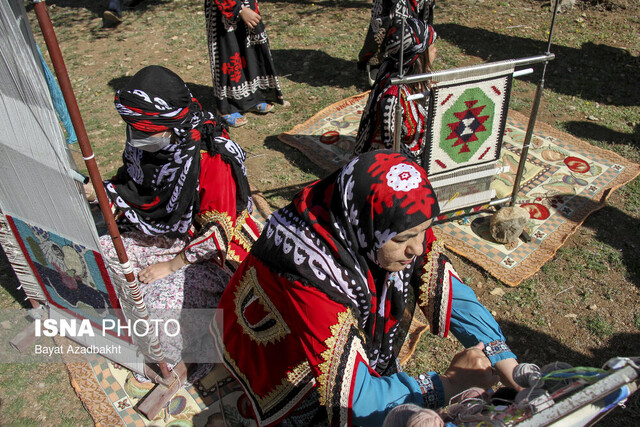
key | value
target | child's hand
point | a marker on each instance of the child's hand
(250, 17)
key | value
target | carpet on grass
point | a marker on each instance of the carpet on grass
(565, 179)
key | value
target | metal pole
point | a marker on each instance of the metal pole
(85, 147)
(534, 114)
(476, 69)
(397, 127)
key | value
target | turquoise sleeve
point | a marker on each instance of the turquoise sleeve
(472, 323)
(374, 397)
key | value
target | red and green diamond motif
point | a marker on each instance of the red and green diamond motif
(469, 123)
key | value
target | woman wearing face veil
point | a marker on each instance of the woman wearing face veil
(312, 321)
(181, 199)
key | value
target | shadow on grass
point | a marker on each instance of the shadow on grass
(620, 231)
(336, 4)
(96, 7)
(601, 133)
(596, 72)
(298, 160)
(317, 68)
(526, 340)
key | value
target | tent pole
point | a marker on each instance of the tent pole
(534, 114)
(57, 60)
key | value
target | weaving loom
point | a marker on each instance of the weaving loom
(48, 230)
(467, 116)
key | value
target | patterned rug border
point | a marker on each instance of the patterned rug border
(337, 106)
(513, 277)
(548, 247)
(86, 386)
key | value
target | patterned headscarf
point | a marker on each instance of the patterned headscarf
(158, 191)
(329, 236)
(418, 36)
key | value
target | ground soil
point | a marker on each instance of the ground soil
(583, 306)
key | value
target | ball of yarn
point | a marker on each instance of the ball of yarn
(527, 375)
(410, 415)
(553, 385)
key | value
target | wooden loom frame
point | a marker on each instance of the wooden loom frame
(169, 381)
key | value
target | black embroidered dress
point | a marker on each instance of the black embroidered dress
(241, 63)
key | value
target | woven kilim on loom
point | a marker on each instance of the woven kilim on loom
(466, 123)
(565, 179)
(72, 277)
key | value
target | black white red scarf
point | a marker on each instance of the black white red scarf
(158, 191)
(416, 38)
(329, 236)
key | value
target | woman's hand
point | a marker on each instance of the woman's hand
(469, 368)
(505, 369)
(162, 269)
(250, 17)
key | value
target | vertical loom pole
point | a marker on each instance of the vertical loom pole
(397, 127)
(87, 153)
(534, 114)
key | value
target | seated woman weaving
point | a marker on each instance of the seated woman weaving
(312, 321)
(379, 117)
(181, 199)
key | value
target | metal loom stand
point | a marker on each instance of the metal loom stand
(454, 72)
(534, 113)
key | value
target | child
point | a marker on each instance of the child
(244, 77)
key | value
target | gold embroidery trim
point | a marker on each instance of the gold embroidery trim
(231, 231)
(221, 218)
(336, 345)
(248, 282)
(428, 278)
(241, 224)
(232, 256)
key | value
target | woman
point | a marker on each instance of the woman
(383, 12)
(312, 321)
(244, 77)
(181, 198)
(379, 118)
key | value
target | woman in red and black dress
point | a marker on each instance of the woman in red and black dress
(182, 201)
(383, 13)
(312, 321)
(377, 126)
(244, 77)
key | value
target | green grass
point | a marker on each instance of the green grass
(315, 46)
(525, 295)
(598, 326)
